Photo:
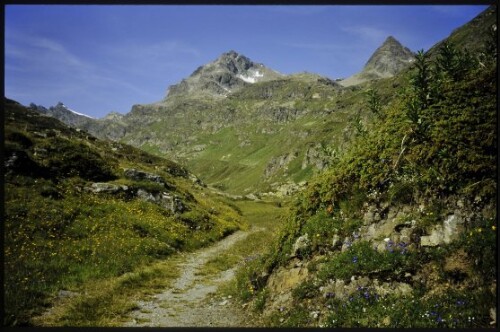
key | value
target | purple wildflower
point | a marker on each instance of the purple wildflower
(355, 259)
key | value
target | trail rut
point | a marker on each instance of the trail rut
(188, 303)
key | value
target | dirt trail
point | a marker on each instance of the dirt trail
(188, 303)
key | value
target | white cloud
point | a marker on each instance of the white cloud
(40, 53)
(38, 66)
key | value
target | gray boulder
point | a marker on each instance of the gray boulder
(106, 188)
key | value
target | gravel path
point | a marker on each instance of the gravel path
(188, 303)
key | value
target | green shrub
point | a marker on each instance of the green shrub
(362, 259)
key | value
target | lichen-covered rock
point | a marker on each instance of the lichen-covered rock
(300, 245)
(146, 196)
(106, 188)
(445, 233)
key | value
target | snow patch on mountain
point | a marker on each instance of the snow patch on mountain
(252, 78)
(75, 112)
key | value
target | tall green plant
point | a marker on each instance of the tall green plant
(374, 102)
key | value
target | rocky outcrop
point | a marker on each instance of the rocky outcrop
(163, 198)
(444, 233)
(107, 188)
(138, 175)
(316, 156)
(167, 200)
(285, 189)
(396, 230)
(279, 163)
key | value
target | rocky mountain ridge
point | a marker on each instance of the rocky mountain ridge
(63, 113)
(229, 72)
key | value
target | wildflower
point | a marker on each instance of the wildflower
(355, 259)
(493, 227)
(479, 230)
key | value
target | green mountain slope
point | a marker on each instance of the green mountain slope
(245, 134)
(257, 139)
(78, 209)
(401, 231)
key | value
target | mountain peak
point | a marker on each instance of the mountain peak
(229, 72)
(231, 53)
(391, 40)
(388, 59)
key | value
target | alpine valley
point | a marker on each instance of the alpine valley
(368, 201)
(247, 129)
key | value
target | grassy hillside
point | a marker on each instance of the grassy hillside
(401, 231)
(256, 138)
(79, 210)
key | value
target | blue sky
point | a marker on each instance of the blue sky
(97, 59)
